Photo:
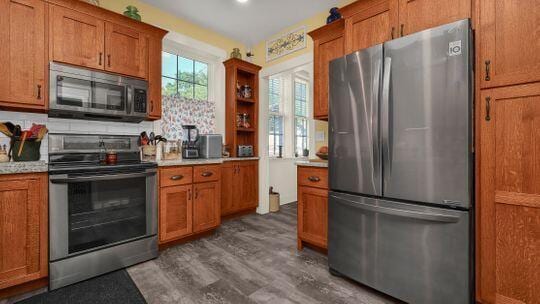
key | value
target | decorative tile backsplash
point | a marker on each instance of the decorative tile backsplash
(178, 111)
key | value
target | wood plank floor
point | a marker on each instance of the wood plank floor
(248, 260)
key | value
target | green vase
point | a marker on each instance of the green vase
(132, 12)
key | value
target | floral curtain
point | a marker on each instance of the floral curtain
(178, 111)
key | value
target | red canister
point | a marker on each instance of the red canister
(112, 158)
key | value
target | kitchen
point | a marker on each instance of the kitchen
(135, 147)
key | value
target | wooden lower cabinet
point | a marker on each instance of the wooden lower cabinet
(508, 221)
(239, 187)
(312, 207)
(23, 228)
(188, 204)
(206, 206)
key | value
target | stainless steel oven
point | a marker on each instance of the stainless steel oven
(87, 94)
(101, 218)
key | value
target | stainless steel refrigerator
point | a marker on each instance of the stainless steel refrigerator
(401, 166)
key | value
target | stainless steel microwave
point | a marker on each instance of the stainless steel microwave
(88, 94)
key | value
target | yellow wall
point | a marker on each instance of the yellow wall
(321, 126)
(159, 18)
(311, 24)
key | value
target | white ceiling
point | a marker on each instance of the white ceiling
(248, 23)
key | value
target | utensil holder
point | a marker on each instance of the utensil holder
(30, 151)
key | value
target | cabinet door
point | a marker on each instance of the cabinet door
(175, 212)
(418, 15)
(249, 183)
(127, 50)
(206, 206)
(229, 187)
(371, 26)
(154, 78)
(76, 38)
(509, 35)
(509, 198)
(22, 53)
(326, 49)
(313, 215)
(23, 229)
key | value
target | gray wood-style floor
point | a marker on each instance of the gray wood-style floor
(249, 260)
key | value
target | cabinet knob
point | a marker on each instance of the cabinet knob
(207, 174)
(177, 177)
(314, 179)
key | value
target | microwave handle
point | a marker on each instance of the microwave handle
(129, 99)
(69, 180)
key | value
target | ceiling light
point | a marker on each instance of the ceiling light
(242, 1)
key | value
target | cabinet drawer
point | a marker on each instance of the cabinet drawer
(203, 174)
(176, 176)
(313, 177)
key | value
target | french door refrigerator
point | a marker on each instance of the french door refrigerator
(401, 166)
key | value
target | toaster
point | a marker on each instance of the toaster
(210, 146)
(245, 150)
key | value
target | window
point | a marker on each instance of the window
(184, 77)
(300, 117)
(275, 119)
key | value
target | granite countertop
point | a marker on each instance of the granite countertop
(195, 162)
(313, 163)
(24, 167)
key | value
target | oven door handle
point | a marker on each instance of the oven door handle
(92, 178)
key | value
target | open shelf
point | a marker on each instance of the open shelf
(241, 73)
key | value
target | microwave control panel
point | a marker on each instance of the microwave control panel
(139, 97)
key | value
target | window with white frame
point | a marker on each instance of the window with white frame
(275, 117)
(184, 77)
(300, 116)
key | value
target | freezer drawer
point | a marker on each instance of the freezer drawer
(414, 253)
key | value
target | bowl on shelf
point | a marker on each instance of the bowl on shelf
(323, 156)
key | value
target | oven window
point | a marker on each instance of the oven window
(109, 97)
(105, 212)
(73, 92)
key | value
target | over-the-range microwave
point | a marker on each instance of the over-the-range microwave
(88, 94)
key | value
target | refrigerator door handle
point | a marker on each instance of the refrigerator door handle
(375, 141)
(385, 118)
(426, 216)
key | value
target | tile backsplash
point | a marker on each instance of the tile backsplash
(73, 126)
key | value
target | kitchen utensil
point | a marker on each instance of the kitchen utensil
(10, 126)
(5, 130)
(152, 138)
(144, 139)
(25, 135)
(41, 133)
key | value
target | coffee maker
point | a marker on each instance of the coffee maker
(190, 143)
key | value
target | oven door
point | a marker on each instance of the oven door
(94, 211)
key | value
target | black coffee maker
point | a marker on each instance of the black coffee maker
(190, 143)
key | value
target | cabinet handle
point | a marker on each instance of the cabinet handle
(196, 193)
(38, 91)
(109, 59)
(189, 194)
(177, 177)
(314, 179)
(151, 106)
(392, 33)
(488, 108)
(488, 67)
(401, 31)
(207, 174)
(100, 58)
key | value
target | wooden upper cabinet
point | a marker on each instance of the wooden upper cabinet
(175, 212)
(154, 77)
(22, 54)
(23, 228)
(508, 238)
(419, 15)
(371, 25)
(328, 45)
(206, 206)
(77, 38)
(126, 50)
(509, 32)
